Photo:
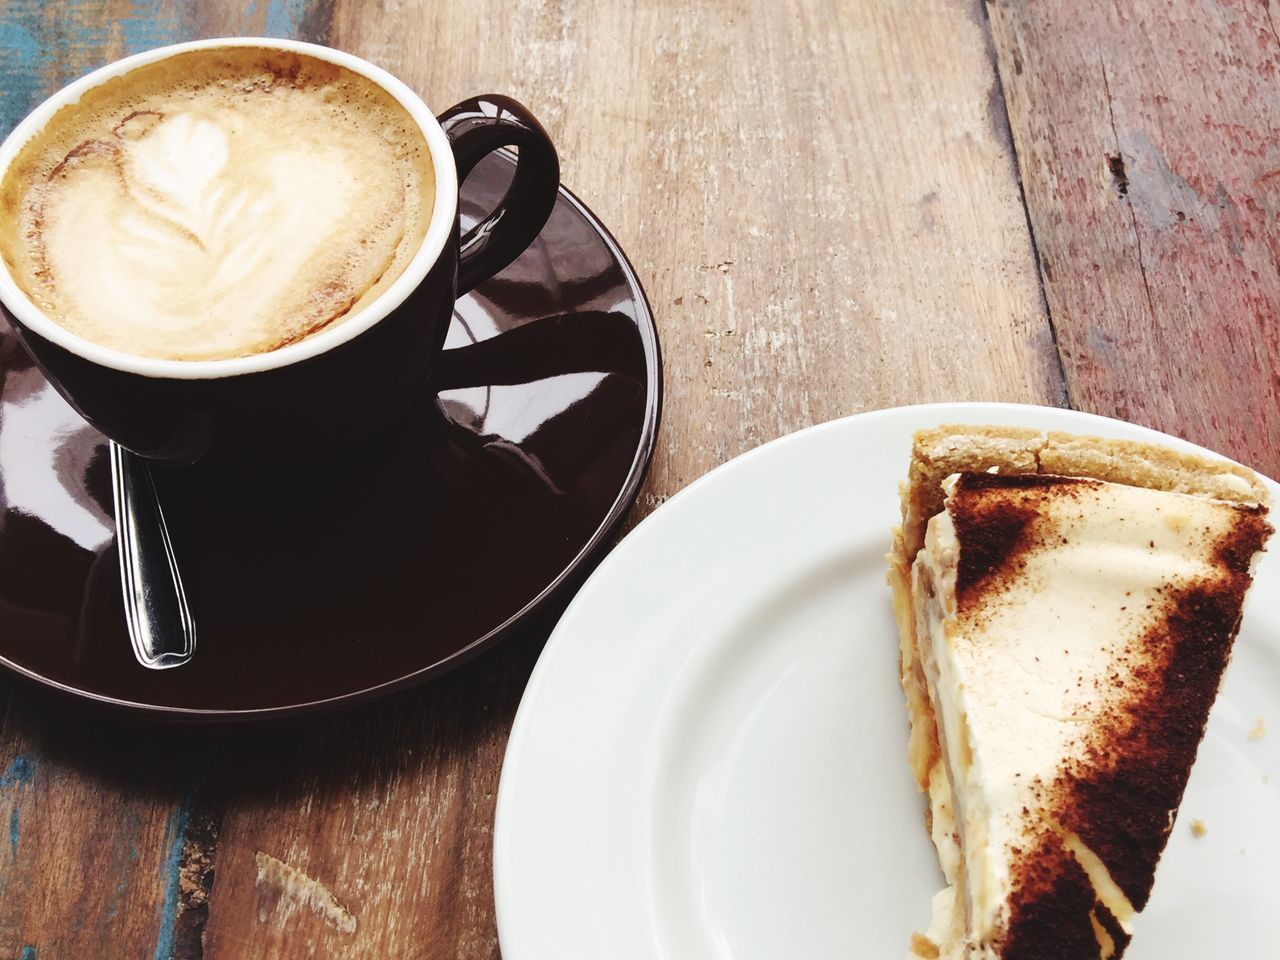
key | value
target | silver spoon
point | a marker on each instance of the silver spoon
(155, 605)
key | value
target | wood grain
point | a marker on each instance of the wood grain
(819, 198)
(96, 813)
(371, 835)
(108, 829)
(1149, 142)
(821, 201)
(95, 816)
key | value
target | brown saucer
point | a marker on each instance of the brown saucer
(510, 476)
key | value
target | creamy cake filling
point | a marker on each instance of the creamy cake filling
(1040, 625)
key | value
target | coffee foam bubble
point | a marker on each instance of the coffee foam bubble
(217, 207)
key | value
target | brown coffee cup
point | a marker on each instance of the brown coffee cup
(307, 400)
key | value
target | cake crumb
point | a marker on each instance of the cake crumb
(1259, 730)
(1198, 828)
(922, 946)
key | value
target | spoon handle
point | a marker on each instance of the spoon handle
(160, 625)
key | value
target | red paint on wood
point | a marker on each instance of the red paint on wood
(1148, 143)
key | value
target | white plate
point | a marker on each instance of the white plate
(710, 758)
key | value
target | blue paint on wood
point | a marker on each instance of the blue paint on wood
(284, 18)
(170, 870)
(28, 953)
(151, 23)
(20, 772)
(143, 25)
(44, 45)
(24, 63)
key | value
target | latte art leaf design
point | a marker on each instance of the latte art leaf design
(186, 206)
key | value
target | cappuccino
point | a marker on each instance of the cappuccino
(218, 203)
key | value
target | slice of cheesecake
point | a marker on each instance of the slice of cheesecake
(1067, 607)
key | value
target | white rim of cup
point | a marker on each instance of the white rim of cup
(443, 214)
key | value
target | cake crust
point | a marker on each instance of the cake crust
(939, 452)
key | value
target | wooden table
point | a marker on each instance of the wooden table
(836, 205)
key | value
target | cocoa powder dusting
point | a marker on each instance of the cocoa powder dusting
(1050, 906)
(1120, 805)
(994, 516)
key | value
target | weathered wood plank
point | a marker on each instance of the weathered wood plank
(822, 203)
(108, 827)
(295, 19)
(1149, 141)
(95, 818)
(824, 187)
(371, 834)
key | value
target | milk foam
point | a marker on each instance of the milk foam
(219, 208)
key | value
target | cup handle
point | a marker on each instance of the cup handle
(475, 128)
